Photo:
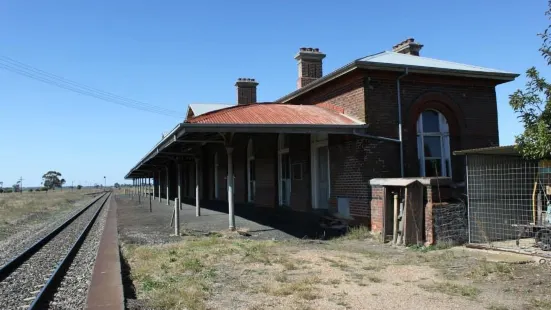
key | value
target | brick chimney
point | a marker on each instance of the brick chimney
(309, 65)
(246, 90)
(408, 46)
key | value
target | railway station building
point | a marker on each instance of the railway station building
(329, 146)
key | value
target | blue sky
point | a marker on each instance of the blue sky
(172, 53)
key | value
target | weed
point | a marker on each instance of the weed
(496, 307)
(357, 233)
(375, 279)
(452, 289)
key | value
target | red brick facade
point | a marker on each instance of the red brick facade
(469, 106)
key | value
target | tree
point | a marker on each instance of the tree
(15, 187)
(52, 180)
(117, 185)
(79, 186)
(533, 106)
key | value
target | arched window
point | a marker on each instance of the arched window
(251, 176)
(433, 144)
(284, 170)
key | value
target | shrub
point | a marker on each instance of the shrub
(8, 190)
(1, 190)
(44, 189)
(30, 190)
(79, 186)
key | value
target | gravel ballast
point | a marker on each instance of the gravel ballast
(22, 286)
(73, 290)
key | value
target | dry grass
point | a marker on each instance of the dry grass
(453, 289)
(34, 207)
(224, 273)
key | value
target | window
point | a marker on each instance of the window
(251, 175)
(433, 144)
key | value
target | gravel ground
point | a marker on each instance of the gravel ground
(22, 286)
(74, 288)
(21, 240)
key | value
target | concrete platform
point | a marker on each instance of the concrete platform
(138, 225)
(106, 290)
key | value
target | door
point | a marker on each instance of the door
(285, 181)
(323, 177)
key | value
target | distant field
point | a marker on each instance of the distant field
(31, 208)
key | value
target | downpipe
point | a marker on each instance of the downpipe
(400, 138)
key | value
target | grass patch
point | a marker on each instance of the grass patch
(303, 288)
(452, 289)
(335, 263)
(357, 233)
(485, 269)
(435, 247)
(540, 304)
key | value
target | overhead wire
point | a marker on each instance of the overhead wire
(18, 67)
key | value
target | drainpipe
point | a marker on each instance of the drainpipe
(400, 122)
(361, 134)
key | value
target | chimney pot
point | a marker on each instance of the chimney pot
(408, 46)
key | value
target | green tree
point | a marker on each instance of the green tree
(79, 186)
(533, 106)
(52, 179)
(117, 185)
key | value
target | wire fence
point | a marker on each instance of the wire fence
(509, 203)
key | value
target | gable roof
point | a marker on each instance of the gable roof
(393, 61)
(411, 61)
(202, 108)
(273, 113)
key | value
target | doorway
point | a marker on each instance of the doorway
(284, 170)
(321, 180)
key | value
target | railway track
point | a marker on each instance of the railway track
(30, 280)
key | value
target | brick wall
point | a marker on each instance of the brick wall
(346, 92)
(354, 162)
(469, 106)
(265, 153)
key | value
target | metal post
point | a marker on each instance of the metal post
(167, 188)
(230, 188)
(180, 185)
(132, 189)
(150, 208)
(176, 217)
(153, 187)
(197, 207)
(139, 191)
(159, 185)
(395, 222)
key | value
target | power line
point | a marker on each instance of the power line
(15, 66)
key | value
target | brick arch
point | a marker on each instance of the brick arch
(441, 103)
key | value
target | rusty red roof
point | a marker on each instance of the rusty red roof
(273, 113)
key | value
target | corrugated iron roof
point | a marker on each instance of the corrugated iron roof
(424, 62)
(271, 113)
(202, 108)
(493, 150)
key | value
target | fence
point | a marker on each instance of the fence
(509, 203)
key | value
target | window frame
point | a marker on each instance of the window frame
(445, 151)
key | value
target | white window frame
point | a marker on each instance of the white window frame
(216, 176)
(444, 136)
(317, 141)
(250, 186)
(281, 149)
